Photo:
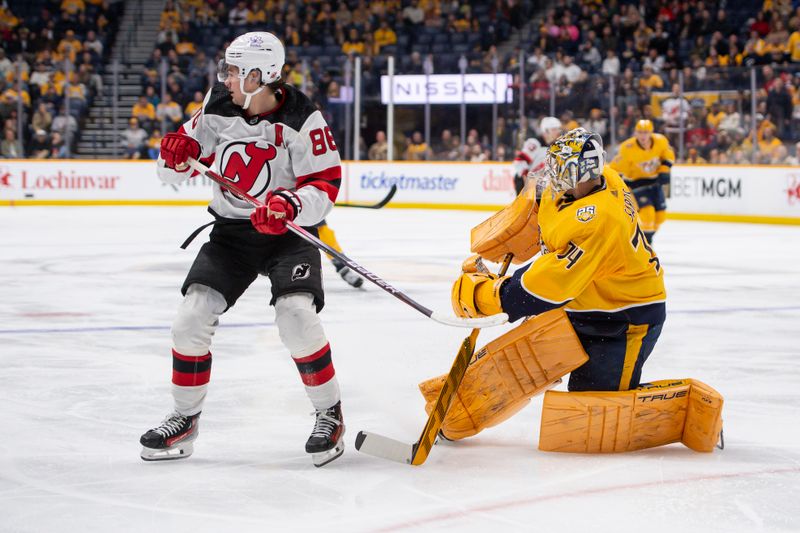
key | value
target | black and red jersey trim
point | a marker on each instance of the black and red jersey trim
(328, 181)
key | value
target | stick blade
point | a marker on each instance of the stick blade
(384, 447)
(471, 323)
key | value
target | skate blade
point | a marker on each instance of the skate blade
(181, 451)
(323, 458)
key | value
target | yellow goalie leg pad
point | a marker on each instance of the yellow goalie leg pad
(514, 229)
(655, 414)
(507, 372)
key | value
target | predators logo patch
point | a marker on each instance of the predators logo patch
(585, 214)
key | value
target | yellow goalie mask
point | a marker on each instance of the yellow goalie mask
(573, 158)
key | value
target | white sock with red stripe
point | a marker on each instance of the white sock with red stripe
(190, 376)
(319, 377)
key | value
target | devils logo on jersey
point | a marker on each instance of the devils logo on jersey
(247, 165)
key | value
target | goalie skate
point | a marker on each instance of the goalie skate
(326, 442)
(173, 439)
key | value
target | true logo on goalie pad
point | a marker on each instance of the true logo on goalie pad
(585, 214)
(301, 271)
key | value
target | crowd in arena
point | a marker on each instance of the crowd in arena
(685, 65)
(51, 64)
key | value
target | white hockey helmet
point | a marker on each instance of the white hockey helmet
(256, 50)
(573, 158)
(549, 123)
(530, 146)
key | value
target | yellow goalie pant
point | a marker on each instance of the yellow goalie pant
(652, 415)
(507, 372)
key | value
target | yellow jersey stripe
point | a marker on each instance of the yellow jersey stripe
(632, 348)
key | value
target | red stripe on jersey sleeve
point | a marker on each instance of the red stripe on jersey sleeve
(521, 156)
(327, 181)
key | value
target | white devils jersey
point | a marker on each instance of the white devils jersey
(526, 162)
(290, 147)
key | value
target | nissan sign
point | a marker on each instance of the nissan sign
(449, 89)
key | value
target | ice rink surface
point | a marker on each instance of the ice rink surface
(88, 295)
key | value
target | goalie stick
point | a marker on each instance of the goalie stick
(386, 200)
(494, 320)
(417, 453)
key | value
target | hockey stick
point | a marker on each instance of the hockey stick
(494, 320)
(380, 204)
(417, 453)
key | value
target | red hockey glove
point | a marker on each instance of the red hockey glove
(176, 148)
(281, 206)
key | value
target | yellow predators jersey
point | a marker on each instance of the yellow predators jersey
(635, 163)
(595, 256)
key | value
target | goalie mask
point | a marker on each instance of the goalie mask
(575, 157)
(257, 50)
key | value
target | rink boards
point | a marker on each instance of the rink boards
(768, 194)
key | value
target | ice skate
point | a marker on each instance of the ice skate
(326, 441)
(173, 439)
(348, 275)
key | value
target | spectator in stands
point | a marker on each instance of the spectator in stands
(379, 149)
(10, 148)
(354, 43)
(133, 139)
(40, 145)
(675, 108)
(154, 144)
(779, 105)
(59, 148)
(238, 16)
(650, 80)
(417, 149)
(194, 105)
(383, 36)
(767, 145)
(5, 64)
(169, 113)
(597, 122)
(413, 15)
(15, 93)
(70, 46)
(42, 119)
(93, 44)
(144, 111)
(71, 8)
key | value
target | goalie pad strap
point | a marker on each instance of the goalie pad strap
(514, 229)
(655, 414)
(507, 372)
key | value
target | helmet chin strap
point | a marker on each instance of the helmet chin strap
(247, 95)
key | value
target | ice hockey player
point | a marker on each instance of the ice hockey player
(596, 272)
(529, 160)
(270, 140)
(645, 162)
